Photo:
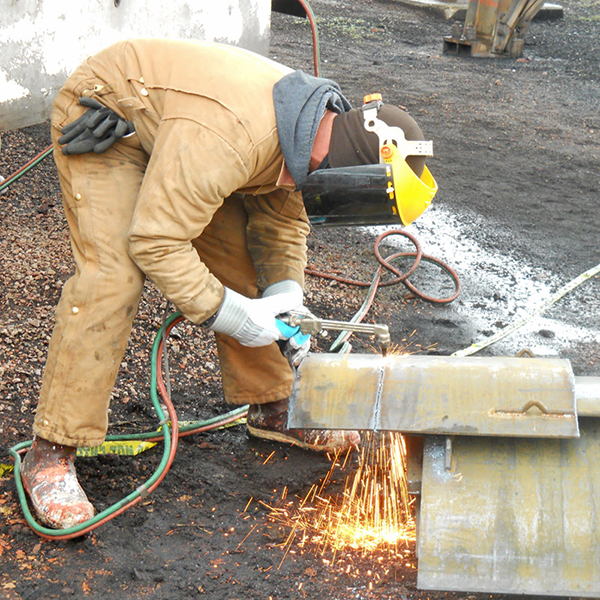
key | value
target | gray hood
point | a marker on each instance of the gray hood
(300, 103)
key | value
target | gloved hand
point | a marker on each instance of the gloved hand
(252, 322)
(297, 345)
(96, 130)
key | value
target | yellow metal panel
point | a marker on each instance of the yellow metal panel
(512, 515)
(485, 21)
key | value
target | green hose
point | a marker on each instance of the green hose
(143, 489)
(32, 163)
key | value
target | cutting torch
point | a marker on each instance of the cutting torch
(308, 324)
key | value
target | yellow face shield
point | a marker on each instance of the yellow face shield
(382, 194)
(388, 193)
(411, 195)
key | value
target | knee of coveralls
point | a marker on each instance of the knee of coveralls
(250, 375)
(96, 310)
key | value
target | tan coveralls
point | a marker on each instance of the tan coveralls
(191, 200)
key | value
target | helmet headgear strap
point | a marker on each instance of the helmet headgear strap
(391, 135)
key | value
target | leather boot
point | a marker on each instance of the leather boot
(49, 478)
(269, 422)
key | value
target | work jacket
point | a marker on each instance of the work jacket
(204, 114)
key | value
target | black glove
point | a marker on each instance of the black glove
(96, 130)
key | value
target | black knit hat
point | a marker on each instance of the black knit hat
(351, 144)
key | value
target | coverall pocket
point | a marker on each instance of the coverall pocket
(66, 107)
(293, 206)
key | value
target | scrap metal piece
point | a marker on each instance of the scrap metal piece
(436, 395)
(513, 516)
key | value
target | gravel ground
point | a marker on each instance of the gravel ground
(517, 150)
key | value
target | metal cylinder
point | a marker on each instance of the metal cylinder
(587, 396)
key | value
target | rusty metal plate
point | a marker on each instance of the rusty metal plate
(336, 384)
(517, 516)
(436, 395)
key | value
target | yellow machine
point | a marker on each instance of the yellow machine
(493, 28)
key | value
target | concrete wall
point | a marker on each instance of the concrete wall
(42, 41)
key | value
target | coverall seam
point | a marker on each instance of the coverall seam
(206, 97)
(216, 134)
(267, 137)
(279, 392)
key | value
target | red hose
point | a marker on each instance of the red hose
(315, 40)
(175, 436)
(385, 263)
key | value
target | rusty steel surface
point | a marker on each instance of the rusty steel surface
(511, 515)
(436, 395)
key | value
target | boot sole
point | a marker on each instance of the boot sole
(277, 436)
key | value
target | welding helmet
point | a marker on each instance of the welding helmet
(373, 174)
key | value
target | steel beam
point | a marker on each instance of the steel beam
(527, 397)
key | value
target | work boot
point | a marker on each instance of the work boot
(49, 477)
(269, 422)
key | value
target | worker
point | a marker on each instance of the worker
(184, 162)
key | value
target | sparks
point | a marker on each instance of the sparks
(371, 514)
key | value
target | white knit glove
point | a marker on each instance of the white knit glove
(252, 322)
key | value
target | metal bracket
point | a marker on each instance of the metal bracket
(525, 353)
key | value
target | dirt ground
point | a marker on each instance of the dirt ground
(516, 158)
